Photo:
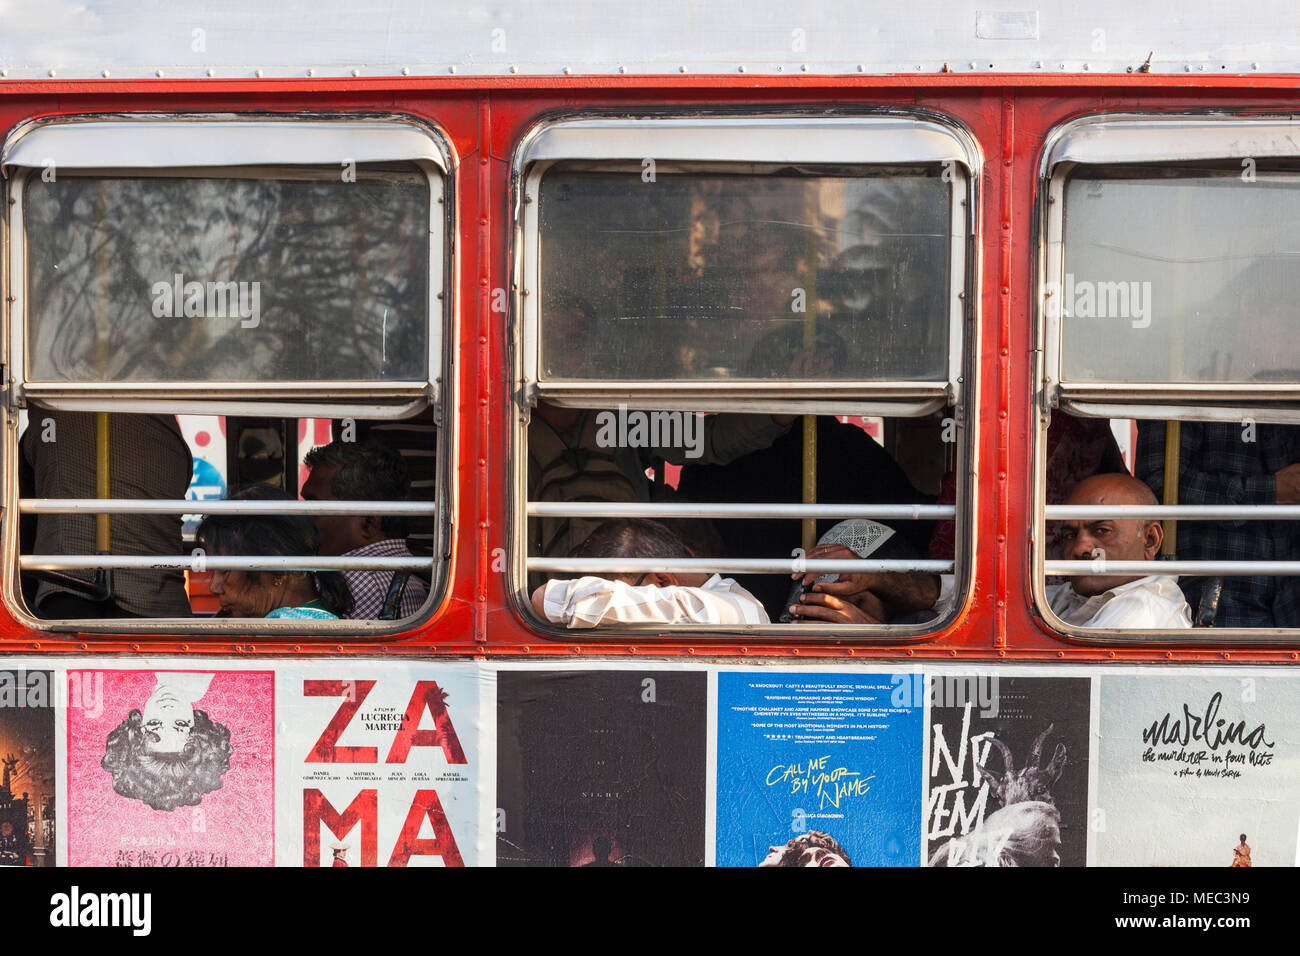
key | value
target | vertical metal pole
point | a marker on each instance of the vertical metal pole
(1173, 450)
(812, 217)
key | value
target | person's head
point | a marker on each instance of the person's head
(168, 720)
(1243, 838)
(258, 593)
(7, 829)
(1107, 539)
(601, 847)
(166, 779)
(638, 538)
(813, 848)
(356, 471)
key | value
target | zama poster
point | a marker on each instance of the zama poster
(817, 769)
(381, 764)
(171, 768)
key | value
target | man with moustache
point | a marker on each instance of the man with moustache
(1154, 602)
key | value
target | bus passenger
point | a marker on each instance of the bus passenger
(649, 598)
(363, 471)
(1097, 600)
(148, 458)
(306, 595)
(1224, 463)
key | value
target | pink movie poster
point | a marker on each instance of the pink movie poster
(171, 768)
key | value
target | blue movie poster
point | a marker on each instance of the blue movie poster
(818, 769)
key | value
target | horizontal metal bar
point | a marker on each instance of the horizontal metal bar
(212, 562)
(220, 506)
(685, 509)
(1192, 568)
(732, 566)
(1184, 512)
(241, 407)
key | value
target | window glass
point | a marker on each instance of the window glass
(291, 276)
(724, 276)
(1180, 276)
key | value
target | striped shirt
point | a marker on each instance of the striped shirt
(592, 601)
(1149, 604)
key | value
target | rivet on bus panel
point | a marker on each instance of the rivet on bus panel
(185, 647)
(631, 650)
(36, 646)
(952, 653)
(1060, 653)
(910, 652)
(794, 650)
(1112, 653)
(1226, 655)
(338, 647)
(576, 650)
(84, 646)
(1002, 653)
(1169, 655)
(524, 648)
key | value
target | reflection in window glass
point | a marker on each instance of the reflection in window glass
(1181, 276)
(160, 279)
(727, 276)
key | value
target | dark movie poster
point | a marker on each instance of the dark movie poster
(1008, 771)
(27, 813)
(601, 768)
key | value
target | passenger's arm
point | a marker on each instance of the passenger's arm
(721, 439)
(900, 591)
(592, 601)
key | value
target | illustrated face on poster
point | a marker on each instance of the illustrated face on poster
(817, 769)
(27, 792)
(384, 764)
(601, 768)
(1008, 771)
(1188, 765)
(174, 769)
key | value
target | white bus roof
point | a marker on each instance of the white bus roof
(82, 39)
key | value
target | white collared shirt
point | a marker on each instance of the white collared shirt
(591, 601)
(1148, 604)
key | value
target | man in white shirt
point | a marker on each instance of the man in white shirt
(650, 598)
(1154, 602)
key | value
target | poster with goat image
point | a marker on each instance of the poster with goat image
(1007, 771)
(1198, 770)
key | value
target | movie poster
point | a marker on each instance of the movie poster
(1008, 771)
(380, 764)
(171, 768)
(601, 767)
(27, 801)
(1191, 764)
(818, 769)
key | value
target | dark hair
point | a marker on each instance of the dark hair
(369, 470)
(269, 535)
(1243, 838)
(804, 842)
(166, 781)
(631, 538)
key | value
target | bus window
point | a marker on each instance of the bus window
(1190, 331)
(728, 320)
(192, 309)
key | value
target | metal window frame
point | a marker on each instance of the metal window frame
(103, 145)
(722, 142)
(1128, 139)
(704, 396)
(368, 133)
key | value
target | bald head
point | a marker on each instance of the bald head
(1109, 539)
(1114, 489)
